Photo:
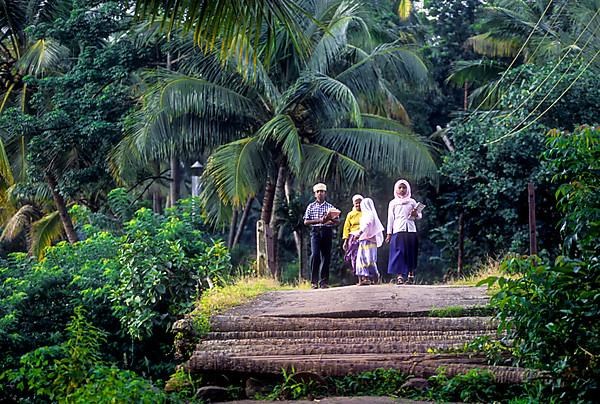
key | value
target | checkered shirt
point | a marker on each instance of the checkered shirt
(317, 210)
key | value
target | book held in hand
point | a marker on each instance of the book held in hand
(333, 213)
(419, 207)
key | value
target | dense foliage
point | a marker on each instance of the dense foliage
(92, 97)
(132, 285)
(495, 157)
(551, 308)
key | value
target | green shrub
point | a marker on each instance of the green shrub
(134, 284)
(475, 386)
(165, 265)
(551, 309)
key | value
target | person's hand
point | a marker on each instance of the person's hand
(414, 213)
(345, 245)
(388, 238)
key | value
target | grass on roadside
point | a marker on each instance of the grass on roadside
(490, 268)
(219, 299)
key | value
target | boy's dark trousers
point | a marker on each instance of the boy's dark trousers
(320, 247)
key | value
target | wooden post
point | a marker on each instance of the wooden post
(461, 243)
(271, 254)
(262, 267)
(532, 237)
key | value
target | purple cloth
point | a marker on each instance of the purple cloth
(350, 255)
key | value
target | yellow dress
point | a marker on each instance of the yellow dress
(352, 223)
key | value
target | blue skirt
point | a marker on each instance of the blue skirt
(404, 247)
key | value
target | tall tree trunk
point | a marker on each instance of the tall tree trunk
(466, 96)
(278, 196)
(232, 228)
(302, 262)
(175, 185)
(267, 205)
(157, 200)
(61, 206)
(243, 220)
(275, 219)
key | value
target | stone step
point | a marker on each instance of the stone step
(343, 333)
(329, 347)
(417, 364)
(247, 323)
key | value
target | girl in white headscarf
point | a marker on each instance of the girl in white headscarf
(402, 233)
(370, 238)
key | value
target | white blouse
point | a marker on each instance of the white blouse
(399, 218)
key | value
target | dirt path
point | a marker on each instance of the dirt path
(362, 301)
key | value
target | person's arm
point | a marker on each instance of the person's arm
(308, 221)
(390, 222)
(346, 229)
(313, 221)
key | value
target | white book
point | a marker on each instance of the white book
(420, 207)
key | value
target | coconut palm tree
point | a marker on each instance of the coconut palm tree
(322, 116)
(225, 24)
(527, 32)
(21, 55)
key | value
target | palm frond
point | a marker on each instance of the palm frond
(42, 57)
(36, 193)
(387, 62)
(404, 9)
(43, 233)
(334, 40)
(379, 122)
(322, 162)
(338, 93)
(295, 94)
(189, 95)
(216, 211)
(227, 20)
(389, 151)
(19, 223)
(487, 95)
(6, 172)
(487, 45)
(475, 71)
(237, 170)
(282, 131)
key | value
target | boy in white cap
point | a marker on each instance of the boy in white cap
(322, 217)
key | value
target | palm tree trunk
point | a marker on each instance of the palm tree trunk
(267, 205)
(279, 194)
(289, 194)
(175, 185)
(61, 206)
(243, 220)
(157, 200)
(276, 220)
(232, 227)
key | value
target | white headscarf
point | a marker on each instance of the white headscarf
(370, 224)
(357, 196)
(402, 199)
